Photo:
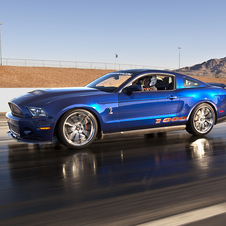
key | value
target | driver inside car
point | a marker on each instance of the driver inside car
(149, 83)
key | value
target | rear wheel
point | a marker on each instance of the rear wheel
(77, 128)
(201, 120)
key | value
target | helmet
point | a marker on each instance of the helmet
(153, 80)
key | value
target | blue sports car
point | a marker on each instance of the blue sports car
(122, 102)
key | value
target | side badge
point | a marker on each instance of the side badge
(110, 111)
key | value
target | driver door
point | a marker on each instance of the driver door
(141, 110)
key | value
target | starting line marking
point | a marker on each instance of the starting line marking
(189, 217)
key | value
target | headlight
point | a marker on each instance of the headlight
(37, 112)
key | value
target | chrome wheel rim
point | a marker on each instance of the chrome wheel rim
(78, 128)
(203, 119)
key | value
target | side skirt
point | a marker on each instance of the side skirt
(221, 120)
(143, 131)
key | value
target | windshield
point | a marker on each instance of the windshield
(110, 82)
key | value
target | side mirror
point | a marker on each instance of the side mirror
(132, 88)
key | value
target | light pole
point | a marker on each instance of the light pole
(179, 56)
(0, 46)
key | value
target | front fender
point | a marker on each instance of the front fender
(106, 114)
(76, 106)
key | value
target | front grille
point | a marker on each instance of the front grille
(15, 110)
(15, 129)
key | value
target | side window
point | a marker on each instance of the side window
(188, 82)
(155, 82)
(165, 82)
(147, 82)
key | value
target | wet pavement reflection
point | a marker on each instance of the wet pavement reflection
(53, 176)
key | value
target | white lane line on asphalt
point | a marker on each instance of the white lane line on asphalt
(189, 217)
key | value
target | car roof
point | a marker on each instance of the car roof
(138, 71)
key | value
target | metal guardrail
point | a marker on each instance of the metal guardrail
(74, 64)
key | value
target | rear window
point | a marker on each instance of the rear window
(188, 82)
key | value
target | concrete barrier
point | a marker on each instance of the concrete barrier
(8, 94)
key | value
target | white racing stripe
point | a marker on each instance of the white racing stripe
(189, 217)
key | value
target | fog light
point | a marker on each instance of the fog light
(28, 131)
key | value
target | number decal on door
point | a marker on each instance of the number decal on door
(174, 119)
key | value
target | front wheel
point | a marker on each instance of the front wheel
(201, 120)
(77, 128)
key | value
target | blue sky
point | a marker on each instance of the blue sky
(143, 32)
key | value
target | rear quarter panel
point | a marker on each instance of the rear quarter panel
(191, 97)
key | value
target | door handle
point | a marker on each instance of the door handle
(171, 97)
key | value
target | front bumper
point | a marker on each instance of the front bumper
(30, 130)
(15, 137)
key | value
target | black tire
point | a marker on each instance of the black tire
(77, 128)
(202, 120)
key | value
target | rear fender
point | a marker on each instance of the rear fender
(202, 102)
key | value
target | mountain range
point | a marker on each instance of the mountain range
(211, 68)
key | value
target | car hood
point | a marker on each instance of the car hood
(45, 96)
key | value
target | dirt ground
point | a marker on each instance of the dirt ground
(26, 77)
(31, 77)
